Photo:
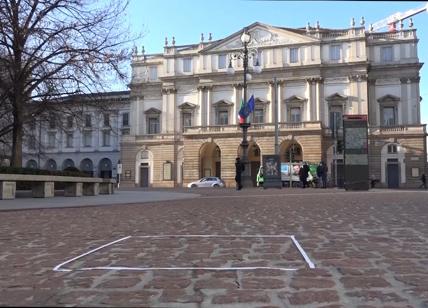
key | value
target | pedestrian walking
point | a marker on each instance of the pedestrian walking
(239, 168)
(324, 175)
(303, 174)
(260, 179)
(424, 181)
(320, 174)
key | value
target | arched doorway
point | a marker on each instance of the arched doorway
(31, 164)
(87, 166)
(50, 165)
(144, 168)
(68, 163)
(105, 168)
(291, 152)
(254, 161)
(210, 160)
(393, 166)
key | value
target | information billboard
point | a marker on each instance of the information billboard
(355, 152)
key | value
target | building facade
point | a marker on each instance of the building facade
(184, 104)
(84, 133)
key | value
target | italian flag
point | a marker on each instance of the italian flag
(240, 118)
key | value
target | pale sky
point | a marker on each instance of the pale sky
(187, 19)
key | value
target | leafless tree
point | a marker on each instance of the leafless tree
(53, 48)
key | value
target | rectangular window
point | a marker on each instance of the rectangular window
(52, 121)
(187, 65)
(223, 117)
(335, 52)
(295, 115)
(125, 119)
(222, 59)
(51, 139)
(167, 171)
(386, 54)
(294, 55)
(69, 121)
(88, 120)
(69, 140)
(153, 73)
(335, 119)
(259, 115)
(257, 58)
(153, 125)
(106, 120)
(32, 124)
(187, 119)
(106, 138)
(87, 138)
(32, 142)
(388, 114)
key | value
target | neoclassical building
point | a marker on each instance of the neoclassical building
(84, 132)
(184, 104)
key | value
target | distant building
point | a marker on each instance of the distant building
(184, 105)
(84, 132)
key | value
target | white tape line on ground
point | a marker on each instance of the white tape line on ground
(57, 268)
(124, 268)
(302, 251)
(211, 236)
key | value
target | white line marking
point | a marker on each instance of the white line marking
(211, 235)
(302, 251)
(57, 268)
(296, 243)
(119, 268)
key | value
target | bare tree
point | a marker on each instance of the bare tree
(53, 48)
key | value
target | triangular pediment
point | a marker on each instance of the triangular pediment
(187, 105)
(295, 99)
(336, 97)
(223, 103)
(152, 111)
(388, 98)
(260, 101)
(262, 35)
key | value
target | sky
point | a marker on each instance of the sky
(187, 19)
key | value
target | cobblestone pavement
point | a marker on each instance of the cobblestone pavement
(370, 249)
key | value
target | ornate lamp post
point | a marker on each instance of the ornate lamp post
(244, 54)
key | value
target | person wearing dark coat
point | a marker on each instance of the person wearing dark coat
(322, 174)
(239, 168)
(303, 173)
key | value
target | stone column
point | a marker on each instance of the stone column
(372, 104)
(209, 106)
(201, 120)
(164, 115)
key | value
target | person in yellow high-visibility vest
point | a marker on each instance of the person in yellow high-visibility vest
(260, 177)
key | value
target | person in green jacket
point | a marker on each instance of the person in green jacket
(260, 177)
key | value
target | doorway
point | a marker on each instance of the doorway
(392, 173)
(144, 175)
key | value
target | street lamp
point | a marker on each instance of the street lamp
(244, 54)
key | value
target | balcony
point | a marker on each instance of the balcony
(156, 138)
(257, 127)
(398, 130)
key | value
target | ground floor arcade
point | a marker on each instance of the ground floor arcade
(394, 160)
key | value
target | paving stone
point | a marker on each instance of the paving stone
(313, 297)
(308, 283)
(364, 282)
(244, 296)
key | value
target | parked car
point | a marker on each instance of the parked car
(209, 181)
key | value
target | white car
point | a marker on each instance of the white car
(209, 181)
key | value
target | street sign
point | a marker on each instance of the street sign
(119, 168)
